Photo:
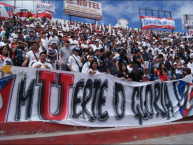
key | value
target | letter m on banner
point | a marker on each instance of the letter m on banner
(6, 86)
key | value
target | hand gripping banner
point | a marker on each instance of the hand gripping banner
(100, 100)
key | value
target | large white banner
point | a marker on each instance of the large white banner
(154, 22)
(38, 6)
(83, 8)
(99, 100)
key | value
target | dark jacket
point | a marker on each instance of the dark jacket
(168, 65)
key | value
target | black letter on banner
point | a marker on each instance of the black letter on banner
(149, 104)
(157, 88)
(119, 89)
(102, 100)
(137, 111)
(23, 97)
(167, 101)
(97, 84)
(144, 111)
(76, 100)
(86, 98)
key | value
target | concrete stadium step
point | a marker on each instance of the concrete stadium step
(34, 127)
(102, 135)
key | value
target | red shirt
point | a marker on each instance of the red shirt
(12, 46)
(163, 76)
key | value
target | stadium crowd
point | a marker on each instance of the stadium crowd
(87, 48)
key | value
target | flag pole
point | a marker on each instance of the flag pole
(33, 5)
(14, 4)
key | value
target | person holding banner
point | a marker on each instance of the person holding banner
(86, 66)
(93, 68)
(123, 73)
(187, 72)
(153, 76)
(42, 62)
(136, 74)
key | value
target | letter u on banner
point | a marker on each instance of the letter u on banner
(48, 79)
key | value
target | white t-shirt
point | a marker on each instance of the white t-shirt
(76, 42)
(85, 67)
(42, 64)
(123, 39)
(73, 64)
(102, 46)
(3, 44)
(116, 56)
(73, 43)
(31, 57)
(129, 68)
(177, 71)
(97, 72)
(84, 45)
(24, 36)
(94, 47)
(13, 35)
(53, 40)
(160, 51)
(157, 63)
(45, 43)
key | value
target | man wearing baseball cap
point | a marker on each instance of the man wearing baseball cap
(74, 61)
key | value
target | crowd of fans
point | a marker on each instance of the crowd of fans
(87, 48)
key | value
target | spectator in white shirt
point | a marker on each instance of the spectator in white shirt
(53, 38)
(129, 66)
(74, 61)
(86, 66)
(103, 45)
(84, 45)
(15, 35)
(32, 55)
(44, 42)
(93, 68)
(25, 34)
(94, 45)
(5, 42)
(73, 42)
(42, 62)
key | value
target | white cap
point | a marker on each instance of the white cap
(87, 56)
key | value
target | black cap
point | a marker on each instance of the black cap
(76, 49)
